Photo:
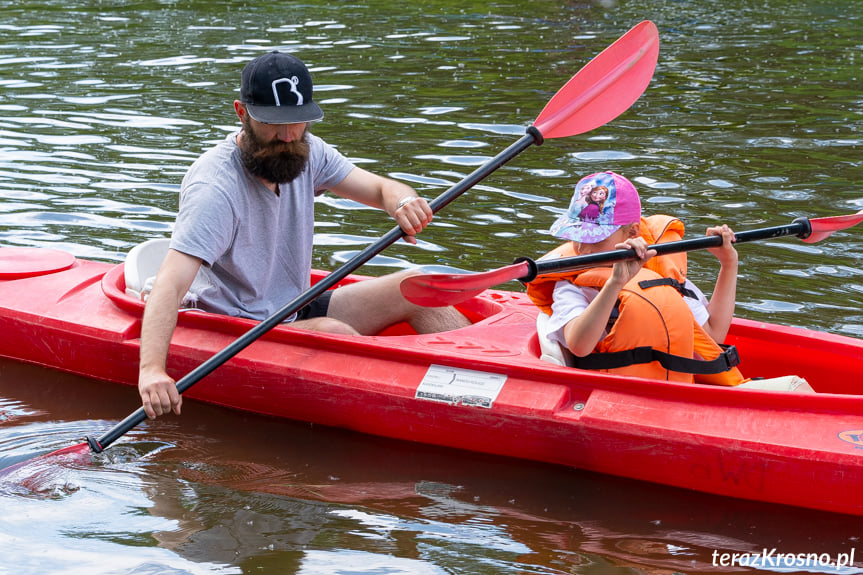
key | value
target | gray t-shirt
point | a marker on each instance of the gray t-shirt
(256, 246)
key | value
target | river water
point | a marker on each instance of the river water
(752, 119)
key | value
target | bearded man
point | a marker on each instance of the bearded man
(245, 228)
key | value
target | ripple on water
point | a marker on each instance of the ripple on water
(343, 561)
(44, 459)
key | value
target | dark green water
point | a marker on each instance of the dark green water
(752, 119)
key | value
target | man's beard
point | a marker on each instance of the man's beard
(273, 161)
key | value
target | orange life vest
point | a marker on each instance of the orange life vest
(655, 334)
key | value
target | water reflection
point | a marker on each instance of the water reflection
(217, 489)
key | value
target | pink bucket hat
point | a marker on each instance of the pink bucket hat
(600, 204)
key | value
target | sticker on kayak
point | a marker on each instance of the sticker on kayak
(457, 386)
(854, 437)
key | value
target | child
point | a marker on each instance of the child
(647, 304)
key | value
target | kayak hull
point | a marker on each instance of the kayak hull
(483, 388)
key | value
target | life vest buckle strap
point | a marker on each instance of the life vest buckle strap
(730, 353)
(727, 359)
(684, 291)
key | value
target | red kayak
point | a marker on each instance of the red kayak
(483, 388)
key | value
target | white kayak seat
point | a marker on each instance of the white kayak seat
(554, 352)
(142, 264)
(785, 383)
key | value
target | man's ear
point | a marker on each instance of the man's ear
(240, 109)
(634, 230)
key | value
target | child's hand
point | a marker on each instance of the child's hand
(726, 254)
(625, 270)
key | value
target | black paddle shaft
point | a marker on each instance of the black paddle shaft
(799, 227)
(532, 136)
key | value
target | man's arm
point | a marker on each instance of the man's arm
(158, 390)
(386, 194)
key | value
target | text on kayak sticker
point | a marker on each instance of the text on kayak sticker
(457, 386)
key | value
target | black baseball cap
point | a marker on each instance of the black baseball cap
(277, 89)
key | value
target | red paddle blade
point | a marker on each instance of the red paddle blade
(606, 87)
(35, 473)
(438, 290)
(427, 296)
(824, 227)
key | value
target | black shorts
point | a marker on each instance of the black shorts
(317, 308)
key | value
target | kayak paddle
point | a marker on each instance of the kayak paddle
(436, 290)
(602, 90)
